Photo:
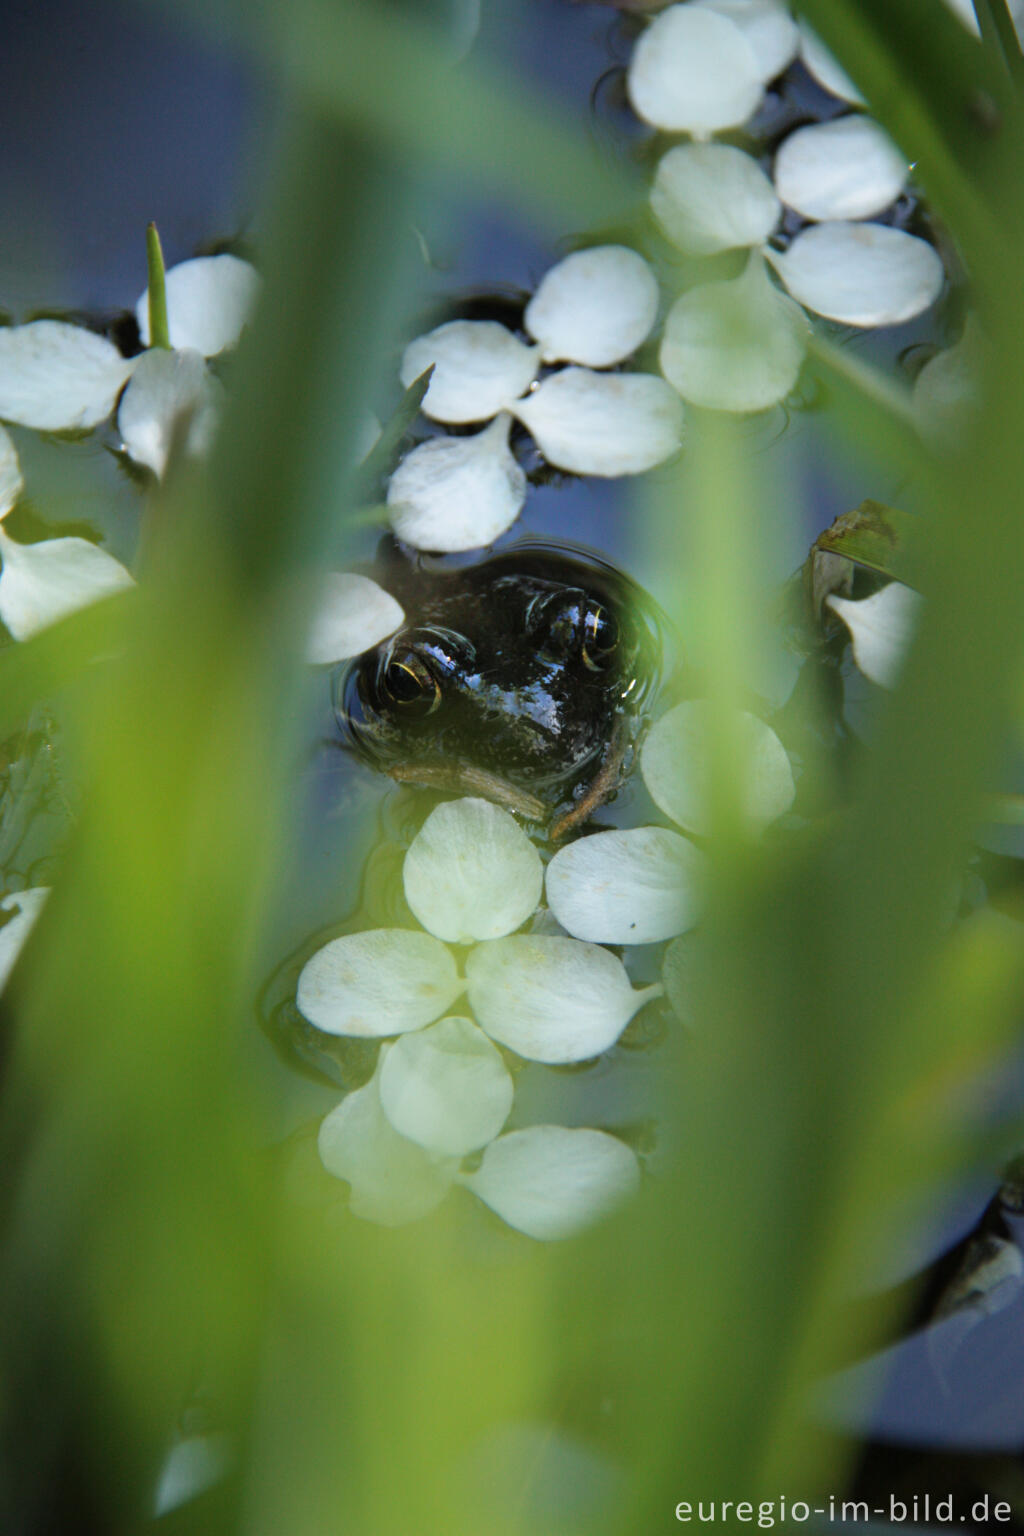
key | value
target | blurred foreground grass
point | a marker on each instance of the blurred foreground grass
(145, 1246)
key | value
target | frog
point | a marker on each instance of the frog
(522, 679)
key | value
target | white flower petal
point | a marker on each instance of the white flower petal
(551, 999)
(693, 71)
(551, 1182)
(479, 369)
(192, 1466)
(209, 300)
(58, 377)
(446, 1088)
(606, 424)
(948, 388)
(384, 981)
(353, 614)
(881, 627)
(595, 307)
(367, 435)
(735, 345)
(164, 388)
(768, 28)
(861, 274)
(823, 66)
(626, 887)
(674, 764)
(472, 872)
(454, 493)
(712, 197)
(393, 1180)
(848, 168)
(11, 482)
(26, 906)
(964, 11)
(41, 583)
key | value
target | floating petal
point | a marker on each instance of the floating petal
(472, 872)
(861, 274)
(551, 999)
(446, 1088)
(192, 1466)
(637, 886)
(26, 906)
(41, 583)
(381, 982)
(354, 614)
(881, 627)
(551, 1182)
(58, 377)
(209, 300)
(693, 71)
(736, 345)
(393, 1180)
(11, 483)
(675, 767)
(948, 388)
(606, 424)
(768, 28)
(165, 388)
(455, 493)
(595, 307)
(712, 197)
(479, 369)
(822, 65)
(848, 168)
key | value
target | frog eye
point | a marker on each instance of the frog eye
(600, 637)
(410, 685)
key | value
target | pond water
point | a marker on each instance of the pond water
(157, 126)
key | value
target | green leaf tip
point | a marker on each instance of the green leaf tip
(159, 330)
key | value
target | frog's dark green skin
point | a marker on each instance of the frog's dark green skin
(521, 679)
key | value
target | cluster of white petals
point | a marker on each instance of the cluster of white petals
(591, 311)
(881, 627)
(737, 345)
(58, 377)
(41, 583)
(676, 761)
(442, 1088)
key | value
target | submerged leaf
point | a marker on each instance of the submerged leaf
(479, 369)
(637, 886)
(713, 197)
(381, 982)
(58, 377)
(209, 301)
(823, 66)
(606, 424)
(471, 872)
(41, 583)
(551, 999)
(693, 71)
(595, 307)
(551, 1182)
(457, 493)
(446, 1087)
(353, 614)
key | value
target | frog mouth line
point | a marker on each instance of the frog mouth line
(491, 786)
